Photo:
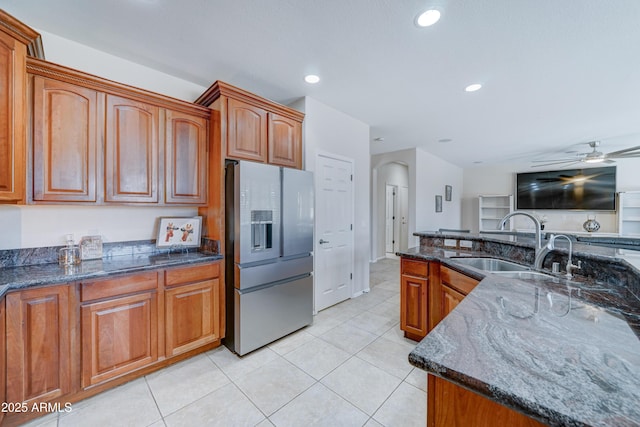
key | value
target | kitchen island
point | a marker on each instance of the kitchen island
(563, 352)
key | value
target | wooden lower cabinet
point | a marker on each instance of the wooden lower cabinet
(414, 300)
(450, 405)
(451, 290)
(3, 360)
(39, 325)
(192, 308)
(119, 324)
(119, 335)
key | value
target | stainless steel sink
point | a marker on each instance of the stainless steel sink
(532, 275)
(490, 264)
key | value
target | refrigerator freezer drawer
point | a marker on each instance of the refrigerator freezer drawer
(268, 314)
(248, 277)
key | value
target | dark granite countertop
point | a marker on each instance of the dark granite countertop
(566, 352)
(43, 274)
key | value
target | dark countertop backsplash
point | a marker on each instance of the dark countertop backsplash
(49, 254)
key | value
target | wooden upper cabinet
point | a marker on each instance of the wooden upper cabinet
(247, 131)
(64, 149)
(285, 136)
(131, 151)
(13, 121)
(39, 357)
(254, 128)
(98, 141)
(185, 158)
(17, 40)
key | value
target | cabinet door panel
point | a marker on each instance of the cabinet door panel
(450, 298)
(118, 336)
(452, 405)
(192, 316)
(186, 159)
(131, 152)
(39, 358)
(246, 131)
(414, 302)
(285, 141)
(64, 142)
(13, 124)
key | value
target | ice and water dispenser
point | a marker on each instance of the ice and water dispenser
(261, 230)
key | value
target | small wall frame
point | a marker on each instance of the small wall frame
(447, 192)
(438, 203)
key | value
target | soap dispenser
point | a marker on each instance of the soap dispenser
(70, 254)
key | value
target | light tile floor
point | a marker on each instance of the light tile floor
(349, 368)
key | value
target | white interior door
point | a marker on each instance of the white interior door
(334, 231)
(403, 215)
(390, 217)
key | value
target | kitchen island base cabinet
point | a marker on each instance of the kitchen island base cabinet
(450, 405)
(414, 288)
(450, 291)
(39, 336)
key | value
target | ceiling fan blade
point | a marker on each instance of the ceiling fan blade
(625, 151)
(554, 160)
(624, 156)
(567, 163)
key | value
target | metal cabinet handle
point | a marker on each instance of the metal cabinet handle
(323, 241)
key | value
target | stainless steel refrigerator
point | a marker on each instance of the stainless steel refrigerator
(269, 216)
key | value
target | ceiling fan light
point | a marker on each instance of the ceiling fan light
(594, 160)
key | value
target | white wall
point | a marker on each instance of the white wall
(501, 180)
(35, 226)
(428, 176)
(84, 58)
(327, 130)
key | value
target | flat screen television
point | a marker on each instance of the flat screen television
(592, 189)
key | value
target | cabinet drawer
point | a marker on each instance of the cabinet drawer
(119, 286)
(457, 281)
(193, 273)
(415, 268)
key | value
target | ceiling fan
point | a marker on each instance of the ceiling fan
(594, 156)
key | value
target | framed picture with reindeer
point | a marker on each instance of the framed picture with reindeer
(179, 232)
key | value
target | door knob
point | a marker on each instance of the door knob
(323, 241)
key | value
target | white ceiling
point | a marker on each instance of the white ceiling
(556, 73)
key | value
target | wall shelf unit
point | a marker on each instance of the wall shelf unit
(629, 213)
(491, 209)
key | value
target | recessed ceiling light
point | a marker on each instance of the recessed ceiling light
(428, 18)
(445, 140)
(472, 88)
(311, 78)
